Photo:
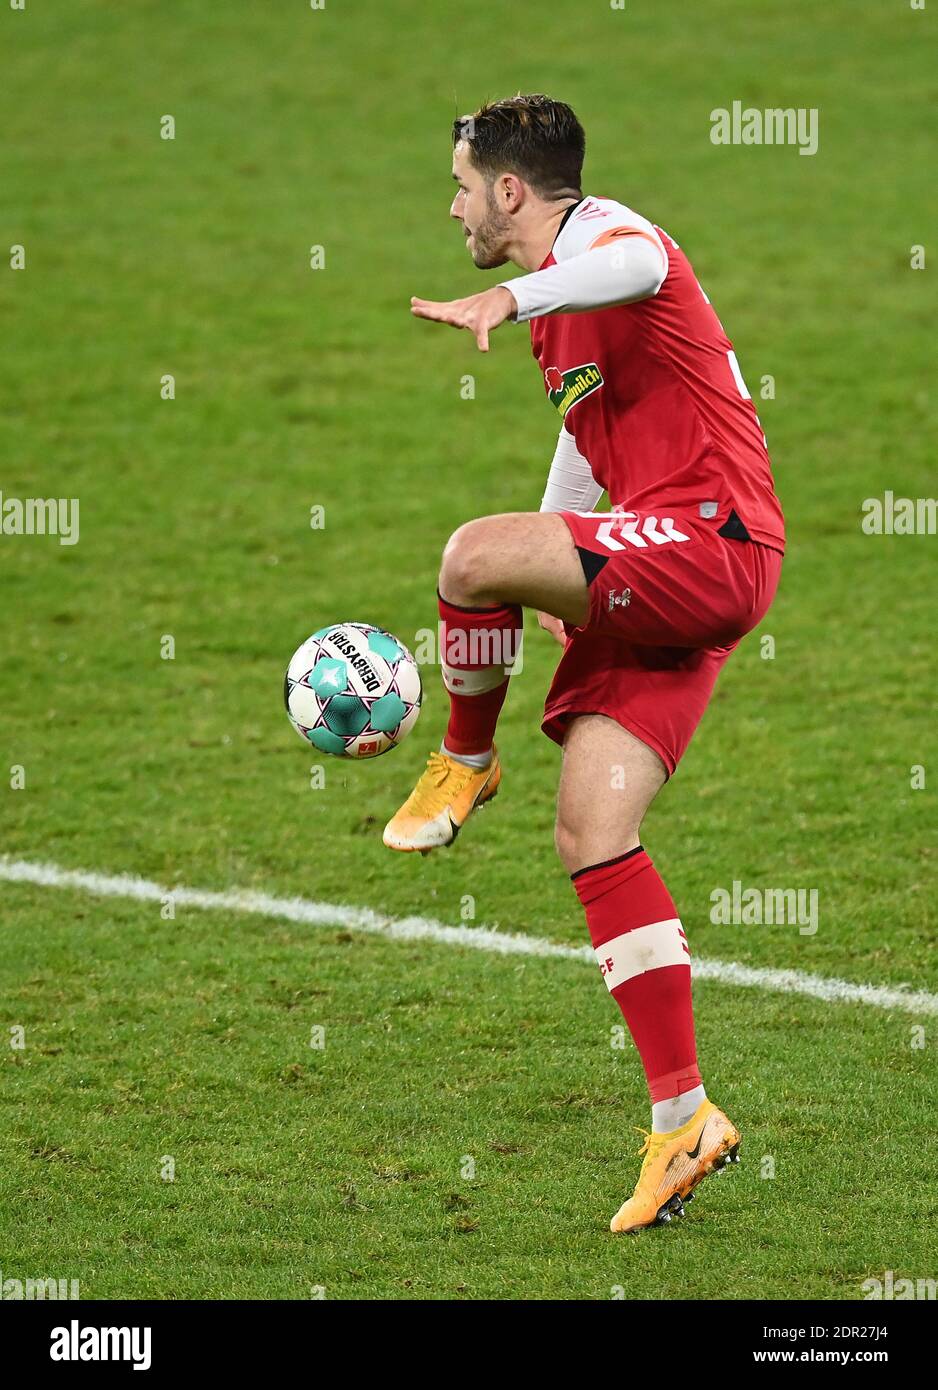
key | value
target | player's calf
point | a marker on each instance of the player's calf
(491, 567)
(609, 779)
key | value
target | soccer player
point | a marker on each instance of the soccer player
(648, 599)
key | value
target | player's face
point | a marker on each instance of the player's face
(485, 226)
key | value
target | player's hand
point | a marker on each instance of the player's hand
(554, 626)
(480, 313)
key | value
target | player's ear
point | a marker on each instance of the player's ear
(512, 189)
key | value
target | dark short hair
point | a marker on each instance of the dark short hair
(535, 137)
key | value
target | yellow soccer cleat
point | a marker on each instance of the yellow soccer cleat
(442, 801)
(674, 1164)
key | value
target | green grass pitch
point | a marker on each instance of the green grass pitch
(466, 1131)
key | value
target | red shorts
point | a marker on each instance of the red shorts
(663, 618)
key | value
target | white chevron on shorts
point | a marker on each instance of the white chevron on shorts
(629, 532)
(627, 526)
(604, 535)
(668, 529)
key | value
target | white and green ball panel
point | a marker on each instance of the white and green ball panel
(355, 730)
(373, 742)
(353, 690)
(353, 657)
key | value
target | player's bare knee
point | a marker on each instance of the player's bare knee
(566, 843)
(463, 575)
(581, 837)
(573, 840)
(579, 850)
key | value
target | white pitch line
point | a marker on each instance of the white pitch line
(317, 914)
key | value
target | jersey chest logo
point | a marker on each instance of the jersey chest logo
(565, 389)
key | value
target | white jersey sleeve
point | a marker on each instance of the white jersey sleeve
(604, 254)
(571, 486)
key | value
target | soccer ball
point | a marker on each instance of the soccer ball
(352, 690)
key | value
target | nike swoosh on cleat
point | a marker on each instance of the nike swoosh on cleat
(695, 1151)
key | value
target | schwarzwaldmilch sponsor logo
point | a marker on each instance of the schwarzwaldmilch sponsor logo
(564, 389)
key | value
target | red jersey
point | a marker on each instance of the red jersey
(651, 390)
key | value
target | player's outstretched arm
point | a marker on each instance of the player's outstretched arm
(480, 313)
(623, 270)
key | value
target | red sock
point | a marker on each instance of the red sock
(642, 952)
(478, 646)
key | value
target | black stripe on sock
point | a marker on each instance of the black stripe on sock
(497, 608)
(605, 863)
